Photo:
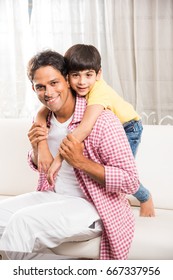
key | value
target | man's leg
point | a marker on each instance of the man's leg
(47, 225)
(11, 205)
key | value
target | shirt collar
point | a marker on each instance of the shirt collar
(80, 107)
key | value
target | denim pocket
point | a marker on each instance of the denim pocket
(133, 131)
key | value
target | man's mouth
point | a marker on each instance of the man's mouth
(50, 100)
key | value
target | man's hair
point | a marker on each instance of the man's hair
(46, 58)
(82, 57)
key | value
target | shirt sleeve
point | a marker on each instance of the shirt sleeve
(120, 169)
(30, 162)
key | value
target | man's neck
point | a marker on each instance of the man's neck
(67, 111)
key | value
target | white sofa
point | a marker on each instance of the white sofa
(153, 236)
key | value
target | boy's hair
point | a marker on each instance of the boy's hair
(46, 58)
(83, 57)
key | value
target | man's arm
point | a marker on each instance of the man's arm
(36, 134)
(114, 166)
(72, 151)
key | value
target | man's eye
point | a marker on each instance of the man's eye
(39, 88)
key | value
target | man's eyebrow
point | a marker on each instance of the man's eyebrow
(38, 85)
(53, 80)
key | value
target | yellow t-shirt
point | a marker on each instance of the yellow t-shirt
(104, 95)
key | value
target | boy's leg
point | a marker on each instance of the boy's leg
(142, 194)
(133, 131)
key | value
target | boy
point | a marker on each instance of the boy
(84, 75)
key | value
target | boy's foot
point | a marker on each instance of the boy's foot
(147, 208)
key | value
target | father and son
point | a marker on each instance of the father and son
(84, 140)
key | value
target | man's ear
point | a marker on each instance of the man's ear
(99, 74)
(33, 87)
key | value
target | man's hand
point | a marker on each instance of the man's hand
(72, 151)
(36, 134)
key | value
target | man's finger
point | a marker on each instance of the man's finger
(71, 138)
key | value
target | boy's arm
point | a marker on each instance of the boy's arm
(42, 115)
(90, 116)
(44, 156)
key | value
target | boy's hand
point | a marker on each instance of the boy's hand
(53, 170)
(45, 158)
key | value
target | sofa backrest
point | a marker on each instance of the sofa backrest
(16, 175)
(154, 161)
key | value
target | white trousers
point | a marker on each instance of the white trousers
(36, 221)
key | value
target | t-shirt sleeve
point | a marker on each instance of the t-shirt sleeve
(98, 95)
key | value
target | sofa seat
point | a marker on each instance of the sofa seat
(2, 197)
(150, 230)
(153, 238)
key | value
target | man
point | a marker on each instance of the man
(89, 196)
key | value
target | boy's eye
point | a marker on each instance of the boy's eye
(74, 75)
(89, 74)
(54, 83)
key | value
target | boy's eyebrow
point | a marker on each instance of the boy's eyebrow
(77, 71)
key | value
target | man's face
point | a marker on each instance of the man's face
(51, 87)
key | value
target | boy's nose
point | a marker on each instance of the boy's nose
(82, 80)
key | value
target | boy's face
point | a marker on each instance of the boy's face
(83, 81)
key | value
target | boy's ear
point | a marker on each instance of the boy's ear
(99, 74)
(67, 79)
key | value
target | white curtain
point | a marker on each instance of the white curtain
(14, 53)
(134, 37)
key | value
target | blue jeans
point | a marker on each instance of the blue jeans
(133, 130)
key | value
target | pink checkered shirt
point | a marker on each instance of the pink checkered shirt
(108, 145)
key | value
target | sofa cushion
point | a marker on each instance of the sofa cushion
(16, 175)
(85, 249)
(153, 236)
(154, 162)
(2, 197)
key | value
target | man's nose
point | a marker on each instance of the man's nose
(48, 91)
